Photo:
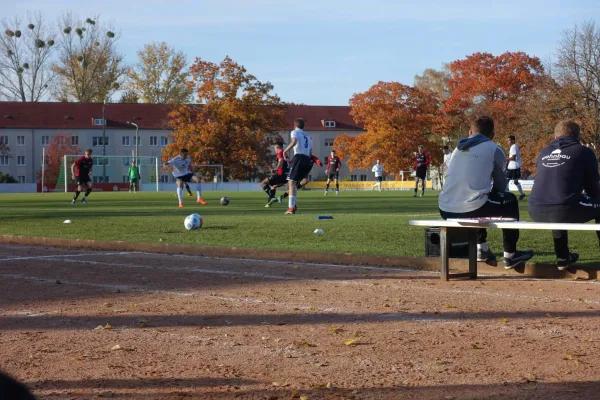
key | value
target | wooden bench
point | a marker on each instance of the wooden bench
(472, 227)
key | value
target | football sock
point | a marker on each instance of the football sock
(286, 194)
(267, 190)
(423, 190)
(179, 194)
(76, 195)
(187, 187)
(483, 246)
(273, 192)
(198, 191)
(416, 191)
(508, 255)
(292, 202)
(337, 187)
(87, 192)
(326, 187)
(520, 188)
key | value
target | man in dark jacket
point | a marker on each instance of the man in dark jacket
(565, 169)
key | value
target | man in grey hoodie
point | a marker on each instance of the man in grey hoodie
(475, 187)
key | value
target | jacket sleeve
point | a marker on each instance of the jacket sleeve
(427, 159)
(416, 164)
(339, 163)
(591, 178)
(498, 175)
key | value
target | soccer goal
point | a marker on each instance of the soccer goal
(109, 173)
(211, 175)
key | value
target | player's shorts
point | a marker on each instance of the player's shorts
(421, 173)
(134, 180)
(379, 178)
(277, 180)
(334, 176)
(513, 174)
(184, 178)
(300, 167)
(82, 179)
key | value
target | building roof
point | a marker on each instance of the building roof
(147, 116)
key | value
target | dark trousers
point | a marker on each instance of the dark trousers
(503, 205)
(586, 210)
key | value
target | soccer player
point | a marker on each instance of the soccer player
(301, 163)
(565, 169)
(378, 169)
(80, 172)
(279, 175)
(422, 161)
(299, 185)
(470, 193)
(134, 177)
(182, 172)
(333, 172)
(513, 165)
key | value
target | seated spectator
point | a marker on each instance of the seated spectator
(565, 169)
(470, 193)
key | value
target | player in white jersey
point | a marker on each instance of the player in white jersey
(513, 165)
(181, 166)
(301, 163)
(378, 170)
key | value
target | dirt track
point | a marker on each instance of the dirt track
(194, 327)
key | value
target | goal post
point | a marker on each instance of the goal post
(109, 173)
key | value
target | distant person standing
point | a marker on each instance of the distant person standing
(422, 162)
(81, 170)
(378, 170)
(333, 172)
(134, 177)
(513, 165)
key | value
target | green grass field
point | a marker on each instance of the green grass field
(364, 222)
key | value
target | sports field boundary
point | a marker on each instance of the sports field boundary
(548, 271)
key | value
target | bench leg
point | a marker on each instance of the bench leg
(473, 253)
(444, 247)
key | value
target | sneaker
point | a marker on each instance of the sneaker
(84, 201)
(129, 191)
(564, 264)
(337, 192)
(325, 193)
(180, 205)
(267, 205)
(521, 197)
(517, 259)
(280, 199)
(290, 211)
(73, 202)
(201, 201)
(486, 256)
(271, 201)
(422, 194)
(190, 194)
(415, 195)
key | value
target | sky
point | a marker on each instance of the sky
(321, 52)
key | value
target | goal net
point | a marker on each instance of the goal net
(109, 173)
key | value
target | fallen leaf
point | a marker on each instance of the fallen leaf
(531, 379)
(321, 364)
(336, 329)
(351, 342)
(315, 309)
(304, 397)
(303, 344)
(108, 326)
(116, 348)
(476, 346)
(329, 385)
(578, 362)
(99, 328)
(568, 357)
(503, 320)
(133, 306)
(296, 266)
(450, 306)
(580, 299)
(589, 340)
(278, 384)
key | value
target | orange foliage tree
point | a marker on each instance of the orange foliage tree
(61, 144)
(397, 118)
(236, 120)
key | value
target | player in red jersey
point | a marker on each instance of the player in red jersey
(422, 162)
(333, 172)
(80, 172)
(299, 185)
(279, 174)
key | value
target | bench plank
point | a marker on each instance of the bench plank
(507, 225)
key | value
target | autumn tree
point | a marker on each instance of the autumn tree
(61, 144)
(160, 75)
(578, 70)
(236, 120)
(89, 67)
(436, 81)
(397, 118)
(26, 59)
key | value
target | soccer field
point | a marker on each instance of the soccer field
(364, 222)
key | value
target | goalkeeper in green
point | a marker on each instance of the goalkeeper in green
(134, 177)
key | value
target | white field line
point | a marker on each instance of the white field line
(66, 255)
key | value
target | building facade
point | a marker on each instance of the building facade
(29, 128)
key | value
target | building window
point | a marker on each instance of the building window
(353, 178)
(363, 178)
(4, 161)
(100, 179)
(4, 140)
(152, 161)
(98, 122)
(125, 179)
(100, 141)
(164, 179)
(125, 140)
(20, 140)
(21, 179)
(163, 141)
(329, 142)
(45, 140)
(153, 141)
(75, 140)
(101, 161)
(329, 124)
(20, 161)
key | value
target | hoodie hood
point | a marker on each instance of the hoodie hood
(563, 142)
(472, 141)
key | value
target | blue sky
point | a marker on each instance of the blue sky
(323, 51)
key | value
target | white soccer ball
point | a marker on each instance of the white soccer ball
(193, 222)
